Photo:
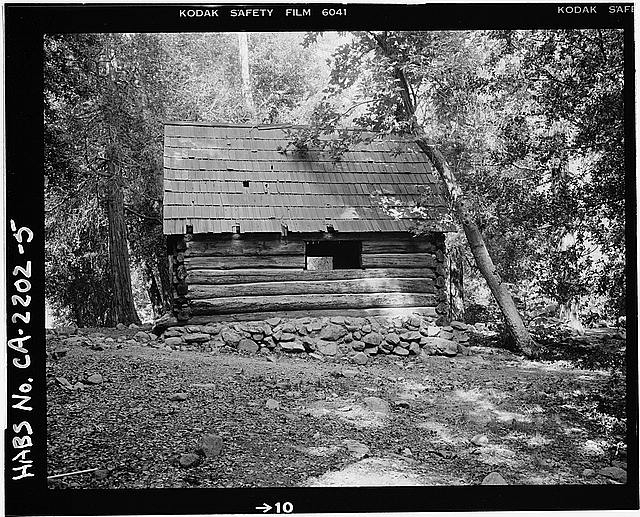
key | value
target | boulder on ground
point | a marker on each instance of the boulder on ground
(392, 338)
(173, 341)
(361, 358)
(248, 345)
(414, 348)
(314, 326)
(358, 346)
(94, 378)
(231, 337)
(372, 339)
(414, 321)
(141, 336)
(480, 440)
(76, 340)
(430, 331)
(189, 460)
(446, 334)
(377, 405)
(292, 346)
(210, 445)
(463, 350)
(272, 404)
(615, 473)
(198, 337)
(439, 346)
(333, 332)
(460, 336)
(327, 347)
(309, 343)
(494, 479)
(412, 335)
(356, 449)
(386, 348)
(458, 325)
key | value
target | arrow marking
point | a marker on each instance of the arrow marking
(265, 507)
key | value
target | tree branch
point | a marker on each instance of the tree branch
(345, 113)
(155, 219)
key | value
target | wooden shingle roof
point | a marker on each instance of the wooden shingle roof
(218, 176)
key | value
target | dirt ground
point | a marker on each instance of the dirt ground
(287, 420)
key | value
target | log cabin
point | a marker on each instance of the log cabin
(257, 228)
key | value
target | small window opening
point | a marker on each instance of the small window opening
(326, 255)
(245, 183)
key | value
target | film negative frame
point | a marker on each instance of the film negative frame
(25, 26)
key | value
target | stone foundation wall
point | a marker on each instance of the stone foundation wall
(359, 339)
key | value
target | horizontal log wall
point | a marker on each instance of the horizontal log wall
(245, 261)
(327, 313)
(398, 260)
(358, 286)
(309, 302)
(240, 276)
(235, 278)
(240, 247)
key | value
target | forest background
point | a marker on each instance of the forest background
(531, 124)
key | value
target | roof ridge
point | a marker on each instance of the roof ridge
(257, 126)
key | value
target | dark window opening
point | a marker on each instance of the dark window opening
(245, 183)
(325, 255)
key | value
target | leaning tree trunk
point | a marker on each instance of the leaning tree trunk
(515, 326)
(122, 307)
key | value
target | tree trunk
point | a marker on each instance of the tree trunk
(161, 257)
(165, 281)
(570, 304)
(569, 315)
(243, 48)
(515, 326)
(122, 307)
(455, 277)
(520, 335)
(153, 290)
